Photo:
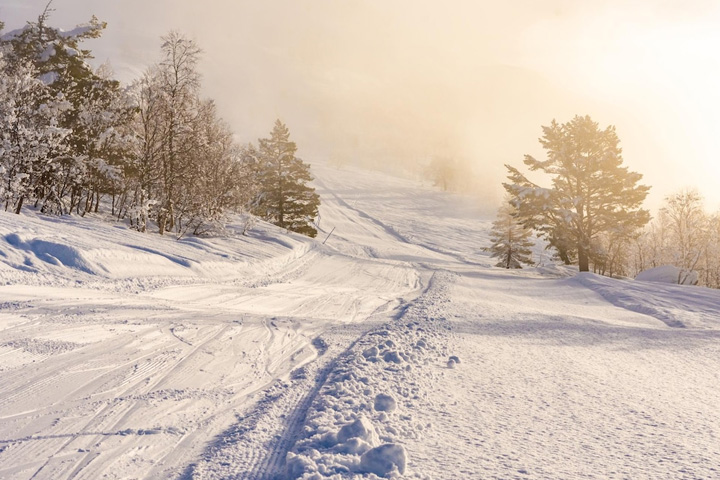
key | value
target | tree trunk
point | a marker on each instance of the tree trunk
(583, 261)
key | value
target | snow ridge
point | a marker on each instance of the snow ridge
(359, 419)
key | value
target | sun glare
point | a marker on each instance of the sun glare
(665, 77)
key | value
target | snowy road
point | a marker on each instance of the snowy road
(127, 356)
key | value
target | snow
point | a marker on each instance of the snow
(12, 34)
(394, 350)
(668, 274)
(78, 31)
(383, 460)
(384, 403)
(49, 78)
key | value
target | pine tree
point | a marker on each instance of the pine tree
(285, 199)
(511, 242)
(591, 193)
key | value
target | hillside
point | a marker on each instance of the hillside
(392, 349)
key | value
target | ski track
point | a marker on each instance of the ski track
(275, 421)
(250, 357)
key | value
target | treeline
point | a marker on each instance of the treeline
(682, 234)
(591, 214)
(73, 140)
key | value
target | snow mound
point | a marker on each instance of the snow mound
(53, 253)
(668, 274)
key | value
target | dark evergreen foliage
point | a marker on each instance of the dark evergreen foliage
(591, 194)
(285, 200)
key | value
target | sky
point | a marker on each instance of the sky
(397, 82)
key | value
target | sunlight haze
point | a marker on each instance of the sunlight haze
(359, 239)
(381, 83)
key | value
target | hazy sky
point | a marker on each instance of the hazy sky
(406, 79)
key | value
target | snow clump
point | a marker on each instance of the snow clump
(385, 403)
(383, 460)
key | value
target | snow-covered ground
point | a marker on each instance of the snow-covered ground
(394, 349)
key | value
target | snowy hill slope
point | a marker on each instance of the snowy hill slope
(393, 350)
(80, 249)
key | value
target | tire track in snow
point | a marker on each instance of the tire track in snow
(273, 466)
(390, 231)
(255, 448)
(114, 414)
(394, 233)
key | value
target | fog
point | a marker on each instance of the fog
(396, 82)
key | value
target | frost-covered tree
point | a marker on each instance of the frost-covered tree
(591, 192)
(511, 243)
(710, 270)
(216, 186)
(451, 174)
(145, 166)
(285, 198)
(688, 228)
(187, 172)
(31, 142)
(71, 135)
(684, 235)
(611, 252)
(443, 171)
(103, 122)
(178, 83)
(56, 54)
(62, 66)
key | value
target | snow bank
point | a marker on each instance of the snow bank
(67, 250)
(668, 274)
